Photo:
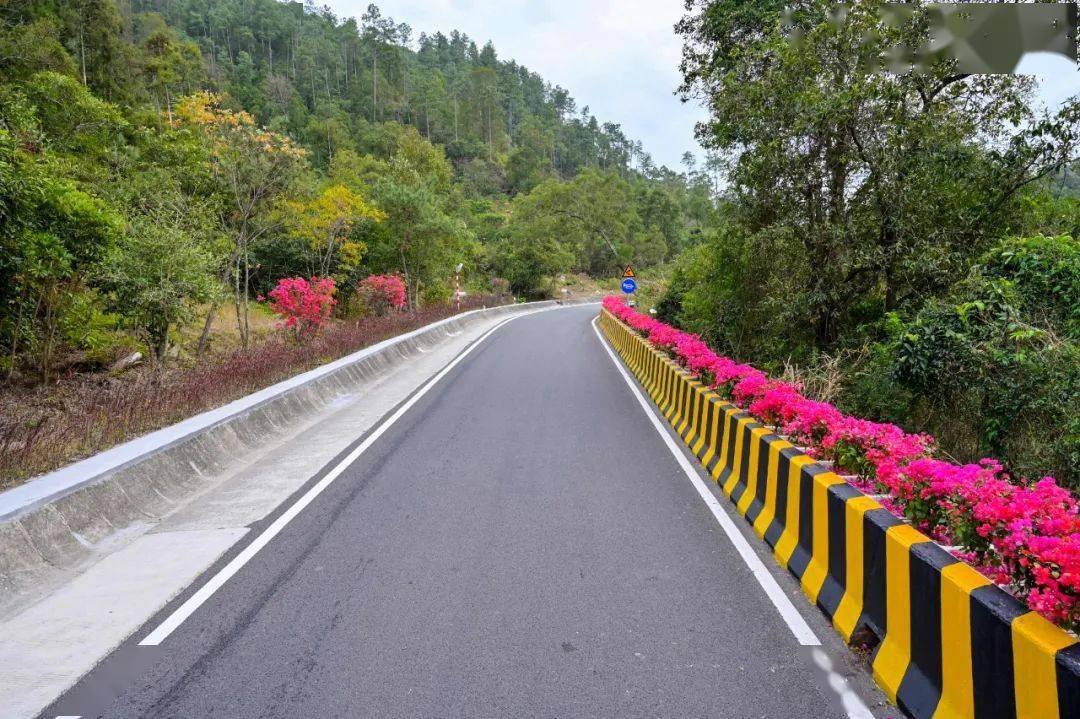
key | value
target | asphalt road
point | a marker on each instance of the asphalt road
(521, 543)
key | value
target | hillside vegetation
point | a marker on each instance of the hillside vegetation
(166, 164)
(904, 244)
(158, 156)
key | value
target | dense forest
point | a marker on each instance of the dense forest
(163, 160)
(904, 244)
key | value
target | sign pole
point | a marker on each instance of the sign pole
(457, 287)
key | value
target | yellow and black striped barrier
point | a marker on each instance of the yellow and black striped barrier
(949, 644)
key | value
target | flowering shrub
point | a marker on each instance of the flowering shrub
(381, 293)
(1023, 535)
(304, 305)
(39, 433)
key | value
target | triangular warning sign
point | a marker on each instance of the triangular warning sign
(628, 272)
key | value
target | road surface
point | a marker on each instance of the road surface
(519, 542)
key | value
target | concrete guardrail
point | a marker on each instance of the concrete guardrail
(948, 643)
(53, 524)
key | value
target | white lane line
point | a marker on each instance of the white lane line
(851, 702)
(802, 631)
(196, 600)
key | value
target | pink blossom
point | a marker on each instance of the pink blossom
(778, 405)
(304, 305)
(1022, 535)
(382, 293)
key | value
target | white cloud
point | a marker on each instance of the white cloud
(619, 57)
(1058, 77)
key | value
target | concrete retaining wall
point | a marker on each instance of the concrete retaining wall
(55, 523)
(950, 644)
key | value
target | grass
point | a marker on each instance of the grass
(652, 284)
(46, 427)
(224, 335)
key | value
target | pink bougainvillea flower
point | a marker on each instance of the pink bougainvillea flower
(1022, 535)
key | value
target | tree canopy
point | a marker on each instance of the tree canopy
(860, 205)
(161, 160)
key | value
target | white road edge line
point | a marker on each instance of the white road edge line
(851, 701)
(185, 610)
(798, 626)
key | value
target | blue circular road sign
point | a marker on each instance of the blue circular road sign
(629, 286)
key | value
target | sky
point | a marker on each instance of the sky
(619, 57)
(1059, 78)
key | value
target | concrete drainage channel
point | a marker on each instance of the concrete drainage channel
(134, 525)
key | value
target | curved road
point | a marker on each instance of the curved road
(521, 542)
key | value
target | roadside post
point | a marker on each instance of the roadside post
(457, 286)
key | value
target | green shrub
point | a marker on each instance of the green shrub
(996, 365)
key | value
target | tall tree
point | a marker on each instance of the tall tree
(883, 180)
(254, 167)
